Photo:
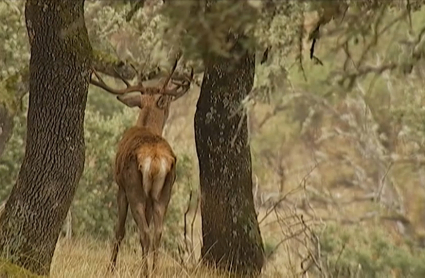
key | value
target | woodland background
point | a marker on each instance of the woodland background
(337, 143)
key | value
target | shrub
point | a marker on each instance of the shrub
(368, 252)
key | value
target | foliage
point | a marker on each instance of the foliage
(14, 51)
(362, 252)
(139, 41)
(14, 46)
(14, 154)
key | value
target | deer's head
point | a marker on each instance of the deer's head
(154, 101)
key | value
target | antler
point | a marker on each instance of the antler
(130, 88)
(182, 86)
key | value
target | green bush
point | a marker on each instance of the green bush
(10, 161)
(368, 252)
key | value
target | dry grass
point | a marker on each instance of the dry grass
(89, 258)
(86, 257)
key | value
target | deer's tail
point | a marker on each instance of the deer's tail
(154, 170)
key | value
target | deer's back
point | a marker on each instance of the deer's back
(137, 144)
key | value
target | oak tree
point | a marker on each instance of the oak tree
(54, 155)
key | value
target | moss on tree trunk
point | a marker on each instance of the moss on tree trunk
(231, 235)
(54, 154)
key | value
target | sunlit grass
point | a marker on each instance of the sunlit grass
(89, 258)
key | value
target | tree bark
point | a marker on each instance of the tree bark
(54, 155)
(231, 235)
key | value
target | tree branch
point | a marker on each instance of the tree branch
(109, 64)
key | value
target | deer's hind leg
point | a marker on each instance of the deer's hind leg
(122, 204)
(137, 199)
(161, 195)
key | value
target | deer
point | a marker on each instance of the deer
(145, 164)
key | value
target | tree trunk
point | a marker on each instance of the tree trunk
(54, 154)
(231, 235)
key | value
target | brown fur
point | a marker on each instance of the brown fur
(155, 154)
(139, 143)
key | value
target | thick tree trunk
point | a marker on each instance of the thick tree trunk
(231, 235)
(54, 154)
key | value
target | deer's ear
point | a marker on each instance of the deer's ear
(131, 100)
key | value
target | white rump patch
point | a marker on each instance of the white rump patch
(153, 186)
(147, 182)
(158, 183)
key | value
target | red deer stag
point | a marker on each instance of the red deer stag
(145, 164)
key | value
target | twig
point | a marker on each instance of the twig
(382, 182)
(339, 256)
(300, 186)
(192, 224)
(185, 219)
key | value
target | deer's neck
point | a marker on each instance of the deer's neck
(151, 119)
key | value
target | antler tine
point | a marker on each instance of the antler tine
(184, 86)
(190, 78)
(97, 76)
(169, 76)
(186, 78)
(101, 84)
(191, 74)
(121, 78)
